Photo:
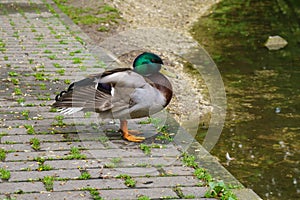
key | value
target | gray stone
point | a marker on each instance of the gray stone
(133, 193)
(197, 192)
(104, 184)
(7, 187)
(275, 42)
(172, 181)
(36, 175)
(70, 195)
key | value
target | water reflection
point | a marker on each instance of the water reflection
(262, 129)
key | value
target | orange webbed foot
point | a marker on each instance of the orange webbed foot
(129, 134)
(132, 138)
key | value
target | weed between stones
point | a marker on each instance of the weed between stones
(217, 189)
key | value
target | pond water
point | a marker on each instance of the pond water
(262, 128)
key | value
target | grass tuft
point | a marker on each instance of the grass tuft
(4, 174)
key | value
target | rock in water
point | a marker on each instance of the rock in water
(275, 42)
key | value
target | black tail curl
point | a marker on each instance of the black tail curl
(64, 92)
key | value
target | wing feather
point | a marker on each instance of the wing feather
(119, 91)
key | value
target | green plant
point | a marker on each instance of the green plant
(30, 105)
(63, 42)
(42, 166)
(59, 121)
(180, 194)
(189, 160)
(16, 34)
(220, 190)
(47, 51)
(103, 139)
(2, 46)
(103, 28)
(4, 174)
(143, 198)
(13, 73)
(2, 154)
(84, 176)
(61, 71)
(53, 109)
(39, 37)
(43, 98)
(67, 81)
(9, 142)
(94, 193)
(40, 76)
(52, 57)
(57, 65)
(202, 174)
(147, 121)
(43, 86)
(80, 40)
(75, 154)
(77, 60)
(25, 113)
(87, 114)
(30, 129)
(116, 160)
(113, 163)
(40, 160)
(110, 165)
(3, 134)
(145, 148)
(48, 182)
(17, 91)
(163, 130)
(15, 81)
(21, 100)
(129, 181)
(35, 143)
(72, 53)
(83, 68)
(216, 189)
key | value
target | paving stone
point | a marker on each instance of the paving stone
(104, 184)
(36, 175)
(153, 193)
(9, 187)
(67, 145)
(178, 170)
(197, 192)
(145, 161)
(70, 195)
(131, 171)
(74, 164)
(166, 151)
(114, 153)
(16, 147)
(17, 156)
(20, 165)
(171, 181)
(42, 138)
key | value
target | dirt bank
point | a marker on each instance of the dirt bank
(173, 15)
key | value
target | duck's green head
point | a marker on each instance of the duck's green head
(147, 63)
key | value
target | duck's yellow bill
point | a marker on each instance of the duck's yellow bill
(166, 72)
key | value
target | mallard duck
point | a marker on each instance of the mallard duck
(121, 93)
